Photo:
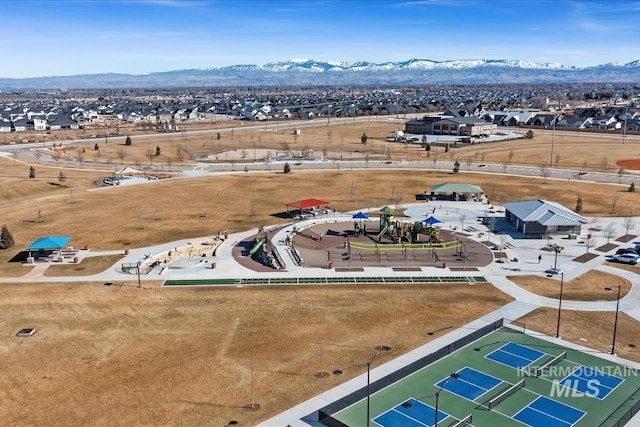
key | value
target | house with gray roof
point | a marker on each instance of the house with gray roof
(540, 217)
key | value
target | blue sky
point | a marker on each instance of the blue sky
(46, 38)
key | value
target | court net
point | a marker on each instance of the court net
(541, 370)
(505, 394)
(463, 422)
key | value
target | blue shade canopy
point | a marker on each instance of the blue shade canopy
(49, 242)
(360, 215)
(431, 220)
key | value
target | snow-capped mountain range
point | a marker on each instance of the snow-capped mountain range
(306, 72)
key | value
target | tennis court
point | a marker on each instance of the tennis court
(505, 378)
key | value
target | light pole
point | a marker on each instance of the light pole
(624, 130)
(408, 403)
(615, 324)
(557, 250)
(560, 304)
(338, 372)
(553, 134)
(138, 269)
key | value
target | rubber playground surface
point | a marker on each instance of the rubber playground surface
(506, 378)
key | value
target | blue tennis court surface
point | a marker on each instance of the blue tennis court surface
(592, 382)
(514, 355)
(410, 413)
(469, 383)
(545, 412)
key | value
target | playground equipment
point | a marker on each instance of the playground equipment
(264, 252)
(400, 231)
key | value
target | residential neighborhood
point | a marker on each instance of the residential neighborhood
(449, 110)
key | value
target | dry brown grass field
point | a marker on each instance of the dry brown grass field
(593, 329)
(123, 355)
(587, 287)
(577, 151)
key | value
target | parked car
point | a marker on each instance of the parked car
(631, 259)
(634, 251)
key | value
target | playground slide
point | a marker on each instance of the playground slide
(384, 230)
(257, 246)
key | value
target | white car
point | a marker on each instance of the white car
(624, 258)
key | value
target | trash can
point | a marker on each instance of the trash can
(213, 265)
(126, 251)
(444, 265)
(76, 260)
(330, 265)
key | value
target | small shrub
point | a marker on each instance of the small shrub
(127, 141)
(287, 168)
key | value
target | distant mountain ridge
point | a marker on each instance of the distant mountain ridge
(308, 72)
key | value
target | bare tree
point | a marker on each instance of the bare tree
(503, 238)
(584, 166)
(243, 153)
(629, 224)
(614, 201)
(491, 222)
(595, 223)
(121, 154)
(609, 231)
(37, 155)
(510, 156)
(252, 210)
(397, 200)
(180, 154)
(462, 218)
(621, 172)
(604, 163)
(545, 172)
(589, 243)
(352, 191)
(557, 159)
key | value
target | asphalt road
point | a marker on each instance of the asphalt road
(25, 150)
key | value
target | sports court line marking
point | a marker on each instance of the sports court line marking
(488, 357)
(599, 385)
(501, 349)
(542, 353)
(529, 407)
(486, 390)
(414, 401)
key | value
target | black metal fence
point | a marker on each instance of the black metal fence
(623, 413)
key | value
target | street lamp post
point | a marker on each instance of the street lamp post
(138, 269)
(553, 134)
(368, 365)
(560, 305)
(408, 403)
(557, 250)
(615, 324)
